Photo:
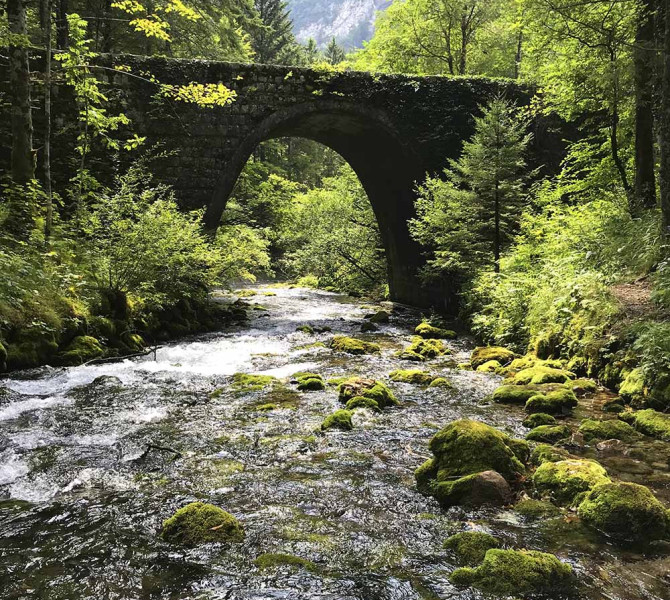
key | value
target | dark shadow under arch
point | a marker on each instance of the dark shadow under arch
(386, 165)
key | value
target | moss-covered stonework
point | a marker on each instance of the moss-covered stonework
(650, 422)
(549, 434)
(199, 523)
(516, 572)
(484, 354)
(340, 419)
(627, 512)
(341, 343)
(566, 481)
(606, 430)
(470, 547)
(429, 332)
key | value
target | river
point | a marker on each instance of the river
(94, 458)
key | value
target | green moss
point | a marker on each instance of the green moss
(350, 345)
(633, 389)
(566, 481)
(311, 385)
(545, 453)
(583, 387)
(607, 430)
(625, 511)
(549, 434)
(305, 329)
(245, 293)
(514, 394)
(464, 447)
(199, 523)
(470, 547)
(613, 405)
(650, 422)
(540, 374)
(427, 348)
(3, 357)
(441, 382)
(301, 375)
(483, 354)
(425, 476)
(81, 349)
(428, 332)
(380, 316)
(410, 356)
(274, 561)
(492, 366)
(475, 489)
(552, 403)
(244, 382)
(340, 419)
(368, 388)
(266, 407)
(362, 402)
(536, 509)
(537, 419)
(514, 572)
(414, 376)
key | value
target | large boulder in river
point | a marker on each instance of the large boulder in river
(468, 448)
(200, 523)
(367, 388)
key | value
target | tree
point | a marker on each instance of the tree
(664, 130)
(273, 40)
(334, 55)
(23, 166)
(466, 219)
(310, 53)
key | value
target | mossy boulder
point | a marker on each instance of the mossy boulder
(543, 453)
(410, 356)
(650, 422)
(367, 388)
(302, 375)
(429, 332)
(362, 402)
(540, 374)
(200, 523)
(349, 345)
(470, 547)
(484, 354)
(611, 429)
(491, 366)
(340, 419)
(414, 376)
(305, 329)
(537, 419)
(633, 388)
(626, 512)
(246, 382)
(477, 489)
(516, 572)
(533, 509)
(613, 405)
(441, 382)
(367, 327)
(514, 394)
(583, 387)
(381, 316)
(81, 349)
(566, 481)
(311, 385)
(549, 434)
(553, 403)
(427, 348)
(465, 447)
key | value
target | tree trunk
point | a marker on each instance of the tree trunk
(496, 237)
(23, 166)
(45, 12)
(517, 56)
(644, 196)
(62, 27)
(664, 129)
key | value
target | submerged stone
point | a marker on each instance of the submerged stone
(199, 523)
(607, 430)
(414, 376)
(470, 547)
(429, 332)
(341, 343)
(513, 572)
(626, 512)
(340, 419)
(305, 329)
(537, 419)
(484, 354)
(278, 560)
(477, 489)
(566, 481)
(536, 509)
(650, 422)
(549, 434)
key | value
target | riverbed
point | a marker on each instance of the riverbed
(94, 458)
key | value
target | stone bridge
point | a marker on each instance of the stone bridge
(391, 129)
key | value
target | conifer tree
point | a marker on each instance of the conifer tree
(273, 41)
(467, 219)
(334, 53)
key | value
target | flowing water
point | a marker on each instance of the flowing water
(94, 458)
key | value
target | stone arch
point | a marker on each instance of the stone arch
(386, 165)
